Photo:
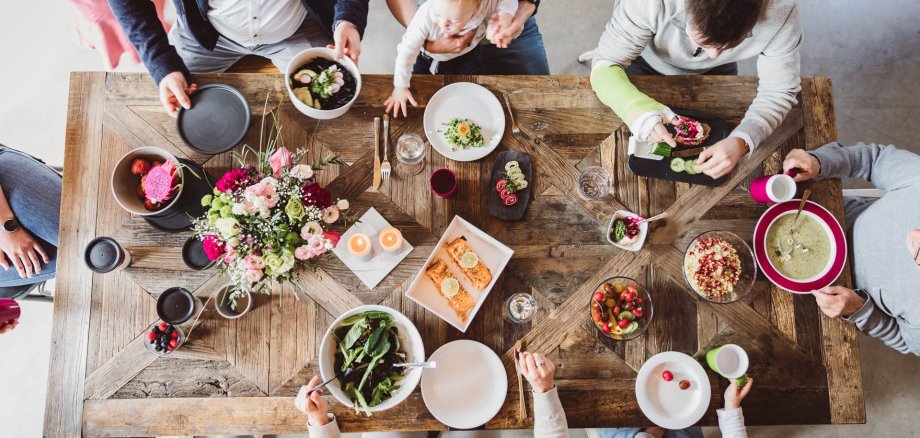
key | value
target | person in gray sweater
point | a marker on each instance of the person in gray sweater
(886, 303)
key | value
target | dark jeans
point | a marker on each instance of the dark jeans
(33, 191)
(639, 68)
(524, 56)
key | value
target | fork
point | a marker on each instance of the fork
(515, 131)
(385, 166)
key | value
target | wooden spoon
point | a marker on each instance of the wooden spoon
(654, 218)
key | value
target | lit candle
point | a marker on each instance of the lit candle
(391, 239)
(360, 246)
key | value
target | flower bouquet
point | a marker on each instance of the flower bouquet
(268, 220)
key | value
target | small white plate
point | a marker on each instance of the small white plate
(468, 387)
(494, 254)
(464, 100)
(640, 239)
(663, 402)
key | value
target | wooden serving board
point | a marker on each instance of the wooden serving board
(496, 206)
(661, 169)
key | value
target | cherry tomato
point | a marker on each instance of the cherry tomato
(616, 310)
(638, 300)
(608, 288)
(606, 327)
(623, 295)
(667, 376)
(599, 296)
(628, 306)
(595, 315)
(637, 312)
(630, 296)
(610, 302)
(623, 323)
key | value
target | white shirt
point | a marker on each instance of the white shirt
(423, 28)
(254, 23)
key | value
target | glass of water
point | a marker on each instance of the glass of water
(410, 153)
(520, 308)
(594, 183)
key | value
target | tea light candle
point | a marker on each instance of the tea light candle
(360, 246)
(390, 239)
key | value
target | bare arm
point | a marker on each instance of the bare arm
(402, 10)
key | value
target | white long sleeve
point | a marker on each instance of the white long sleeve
(328, 430)
(411, 45)
(548, 416)
(731, 423)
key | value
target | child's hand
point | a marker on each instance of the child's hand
(397, 101)
(500, 30)
(313, 405)
(734, 394)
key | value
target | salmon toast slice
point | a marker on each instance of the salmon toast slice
(461, 302)
(479, 275)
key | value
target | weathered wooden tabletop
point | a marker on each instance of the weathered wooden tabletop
(240, 376)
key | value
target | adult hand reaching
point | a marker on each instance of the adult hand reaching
(538, 370)
(721, 158)
(313, 405)
(804, 163)
(837, 301)
(450, 43)
(21, 251)
(734, 393)
(347, 41)
(174, 92)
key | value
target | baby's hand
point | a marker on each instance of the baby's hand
(501, 31)
(397, 101)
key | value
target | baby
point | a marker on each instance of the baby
(437, 18)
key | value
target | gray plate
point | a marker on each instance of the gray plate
(216, 122)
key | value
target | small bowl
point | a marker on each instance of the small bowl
(409, 339)
(308, 55)
(647, 307)
(748, 270)
(152, 350)
(124, 183)
(640, 239)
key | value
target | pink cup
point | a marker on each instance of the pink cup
(9, 311)
(443, 182)
(773, 189)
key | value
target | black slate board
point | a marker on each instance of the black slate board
(496, 206)
(661, 169)
(216, 122)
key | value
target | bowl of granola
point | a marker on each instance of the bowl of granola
(720, 266)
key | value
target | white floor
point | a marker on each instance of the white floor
(871, 50)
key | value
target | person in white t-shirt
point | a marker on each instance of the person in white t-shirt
(437, 18)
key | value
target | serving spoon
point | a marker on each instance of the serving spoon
(653, 218)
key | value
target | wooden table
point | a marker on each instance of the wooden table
(240, 376)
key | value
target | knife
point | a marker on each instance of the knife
(522, 407)
(684, 153)
(376, 153)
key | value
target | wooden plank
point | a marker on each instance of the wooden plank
(66, 374)
(839, 344)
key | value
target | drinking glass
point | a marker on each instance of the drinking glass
(594, 183)
(520, 308)
(410, 154)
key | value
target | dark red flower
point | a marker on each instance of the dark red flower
(315, 195)
(213, 247)
(233, 180)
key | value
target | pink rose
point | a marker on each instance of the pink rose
(303, 253)
(230, 256)
(331, 214)
(253, 275)
(310, 229)
(316, 245)
(302, 171)
(254, 262)
(279, 160)
(332, 237)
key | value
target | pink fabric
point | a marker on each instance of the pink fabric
(98, 29)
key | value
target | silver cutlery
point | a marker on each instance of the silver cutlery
(376, 153)
(431, 364)
(385, 168)
(515, 131)
(343, 375)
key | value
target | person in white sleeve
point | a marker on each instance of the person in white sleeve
(549, 418)
(731, 421)
(437, 18)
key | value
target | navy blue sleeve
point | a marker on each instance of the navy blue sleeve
(352, 11)
(139, 20)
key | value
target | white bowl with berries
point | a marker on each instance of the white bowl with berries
(162, 338)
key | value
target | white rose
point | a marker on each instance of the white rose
(302, 171)
(239, 209)
(227, 226)
(342, 204)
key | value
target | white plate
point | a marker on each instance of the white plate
(468, 387)
(494, 254)
(664, 403)
(464, 100)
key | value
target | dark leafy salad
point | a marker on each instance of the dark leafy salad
(368, 346)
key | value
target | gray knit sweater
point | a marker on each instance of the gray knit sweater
(878, 231)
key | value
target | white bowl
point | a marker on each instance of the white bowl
(325, 53)
(640, 239)
(124, 183)
(409, 339)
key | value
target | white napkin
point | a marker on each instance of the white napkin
(374, 270)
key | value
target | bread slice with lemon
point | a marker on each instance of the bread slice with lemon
(463, 255)
(457, 297)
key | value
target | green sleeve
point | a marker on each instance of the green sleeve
(613, 87)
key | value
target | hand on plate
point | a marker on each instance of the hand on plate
(538, 370)
(660, 134)
(314, 406)
(734, 393)
(174, 92)
(398, 100)
(837, 301)
(721, 158)
(804, 163)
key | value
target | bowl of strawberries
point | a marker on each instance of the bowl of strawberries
(621, 308)
(147, 181)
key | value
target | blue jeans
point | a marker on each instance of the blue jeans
(524, 56)
(631, 432)
(33, 191)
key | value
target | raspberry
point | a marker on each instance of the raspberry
(140, 166)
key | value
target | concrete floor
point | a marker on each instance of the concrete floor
(871, 50)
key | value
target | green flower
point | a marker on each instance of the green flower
(276, 264)
(226, 211)
(294, 210)
(206, 200)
